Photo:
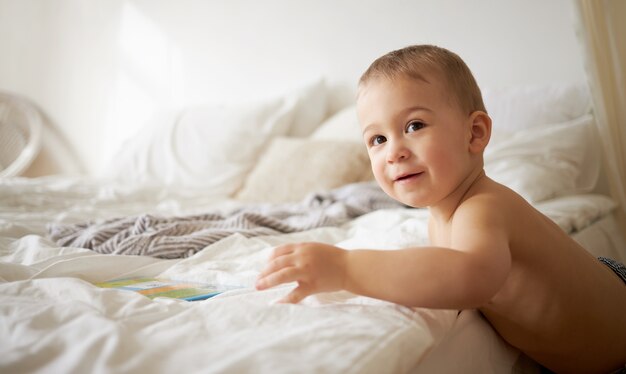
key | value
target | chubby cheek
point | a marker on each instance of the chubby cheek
(378, 169)
(444, 168)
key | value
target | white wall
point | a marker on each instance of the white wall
(99, 68)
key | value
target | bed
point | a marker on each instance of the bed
(281, 152)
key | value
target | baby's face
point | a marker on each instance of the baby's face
(417, 138)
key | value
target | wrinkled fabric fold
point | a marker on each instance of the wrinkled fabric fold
(183, 236)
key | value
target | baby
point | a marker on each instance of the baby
(425, 127)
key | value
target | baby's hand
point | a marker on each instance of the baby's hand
(316, 267)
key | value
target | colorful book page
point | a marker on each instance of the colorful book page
(175, 289)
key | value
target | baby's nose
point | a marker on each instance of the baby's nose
(397, 152)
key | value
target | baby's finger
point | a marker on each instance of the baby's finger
(296, 295)
(281, 251)
(285, 275)
(276, 264)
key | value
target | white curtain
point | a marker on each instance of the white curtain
(602, 31)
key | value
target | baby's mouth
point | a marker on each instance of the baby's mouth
(407, 177)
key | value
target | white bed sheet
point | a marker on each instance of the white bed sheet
(458, 351)
(55, 320)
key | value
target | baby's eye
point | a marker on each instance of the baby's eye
(414, 126)
(377, 140)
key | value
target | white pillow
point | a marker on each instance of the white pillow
(546, 161)
(343, 125)
(291, 168)
(311, 105)
(214, 146)
(520, 107)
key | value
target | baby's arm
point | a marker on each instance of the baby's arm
(432, 277)
(466, 275)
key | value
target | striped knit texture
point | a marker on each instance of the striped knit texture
(183, 236)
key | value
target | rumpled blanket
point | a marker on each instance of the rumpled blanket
(178, 237)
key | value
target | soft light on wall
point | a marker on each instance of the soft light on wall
(147, 74)
(99, 68)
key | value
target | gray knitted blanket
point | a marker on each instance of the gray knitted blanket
(177, 237)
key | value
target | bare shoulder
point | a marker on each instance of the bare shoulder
(495, 193)
(480, 227)
(494, 204)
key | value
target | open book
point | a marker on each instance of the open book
(159, 287)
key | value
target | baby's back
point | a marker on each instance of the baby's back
(559, 304)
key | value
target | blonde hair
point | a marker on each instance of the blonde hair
(418, 60)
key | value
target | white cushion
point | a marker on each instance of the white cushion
(291, 168)
(310, 109)
(520, 107)
(213, 146)
(343, 125)
(542, 162)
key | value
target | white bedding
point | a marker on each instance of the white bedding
(54, 320)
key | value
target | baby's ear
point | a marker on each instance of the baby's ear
(480, 131)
